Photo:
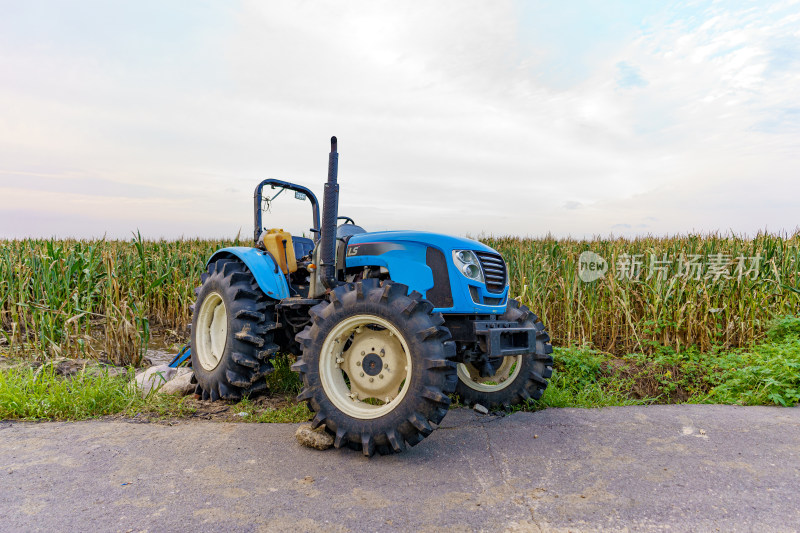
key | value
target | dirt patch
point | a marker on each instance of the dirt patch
(219, 411)
(646, 379)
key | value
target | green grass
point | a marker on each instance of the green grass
(288, 414)
(767, 374)
(763, 374)
(283, 380)
(579, 381)
(28, 394)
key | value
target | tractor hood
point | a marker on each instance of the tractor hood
(446, 243)
(424, 262)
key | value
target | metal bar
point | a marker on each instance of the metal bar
(258, 198)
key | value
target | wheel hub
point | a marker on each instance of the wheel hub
(372, 364)
(375, 364)
(365, 366)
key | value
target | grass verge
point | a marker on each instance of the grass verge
(28, 394)
(43, 394)
(763, 374)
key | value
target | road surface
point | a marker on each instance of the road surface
(679, 468)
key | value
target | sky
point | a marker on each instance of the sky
(523, 118)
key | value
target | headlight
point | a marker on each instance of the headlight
(467, 262)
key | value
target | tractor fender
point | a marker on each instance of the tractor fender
(263, 267)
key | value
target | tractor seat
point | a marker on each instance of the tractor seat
(347, 230)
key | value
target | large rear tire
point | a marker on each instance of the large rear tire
(517, 378)
(232, 327)
(376, 366)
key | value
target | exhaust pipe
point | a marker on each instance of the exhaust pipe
(330, 212)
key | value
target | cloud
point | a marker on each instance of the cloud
(447, 114)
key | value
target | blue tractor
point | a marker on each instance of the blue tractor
(386, 325)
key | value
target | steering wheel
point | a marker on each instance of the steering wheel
(347, 220)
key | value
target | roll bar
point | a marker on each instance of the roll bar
(258, 198)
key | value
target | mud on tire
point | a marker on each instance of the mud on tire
(232, 324)
(354, 337)
(524, 377)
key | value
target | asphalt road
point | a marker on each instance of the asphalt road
(678, 468)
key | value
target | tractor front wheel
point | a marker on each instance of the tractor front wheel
(517, 378)
(376, 366)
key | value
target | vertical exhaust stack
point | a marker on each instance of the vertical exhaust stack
(330, 212)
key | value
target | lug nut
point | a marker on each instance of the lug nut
(358, 363)
(361, 374)
(363, 353)
(380, 376)
(371, 380)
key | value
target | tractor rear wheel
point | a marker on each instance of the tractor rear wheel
(232, 327)
(376, 366)
(517, 378)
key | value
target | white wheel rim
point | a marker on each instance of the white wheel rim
(212, 331)
(377, 363)
(503, 377)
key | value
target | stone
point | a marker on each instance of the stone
(68, 367)
(480, 409)
(111, 370)
(318, 439)
(154, 378)
(180, 384)
(157, 358)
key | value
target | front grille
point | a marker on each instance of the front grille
(494, 271)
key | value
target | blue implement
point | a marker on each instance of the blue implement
(184, 357)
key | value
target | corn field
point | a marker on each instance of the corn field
(676, 292)
(99, 298)
(96, 298)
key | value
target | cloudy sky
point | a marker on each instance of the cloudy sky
(575, 118)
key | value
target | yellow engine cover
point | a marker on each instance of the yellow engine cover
(279, 244)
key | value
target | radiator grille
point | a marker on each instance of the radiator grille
(494, 271)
